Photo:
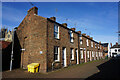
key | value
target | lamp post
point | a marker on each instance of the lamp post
(12, 49)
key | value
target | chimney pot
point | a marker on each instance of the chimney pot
(64, 24)
(116, 43)
(111, 44)
(84, 34)
(53, 18)
(73, 29)
(91, 38)
(88, 36)
(79, 32)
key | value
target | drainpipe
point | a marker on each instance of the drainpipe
(53, 64)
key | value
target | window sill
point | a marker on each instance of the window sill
(57, 38)
(56, 61)
(72, 59)
(72, 42)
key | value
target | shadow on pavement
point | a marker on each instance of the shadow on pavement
(109, 70)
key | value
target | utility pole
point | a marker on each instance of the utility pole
(12, 49)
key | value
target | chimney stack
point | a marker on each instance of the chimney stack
(53, 18)
(116, 43)
(64, 24)
(84, 34)
(73, 29)
(91, 38)
(111, 44)
(79, 32)
(88, 36)
(100, 42)
(33, 10)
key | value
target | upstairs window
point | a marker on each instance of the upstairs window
(115, 50)
(72, 54)
(56, 31)
(98, 46)
(56, 53)
(81, 40)
(71, 36)
(95, 45)
(118, 50)
(91, 44)
(87, 42)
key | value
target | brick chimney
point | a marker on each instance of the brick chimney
(64, 24)
(84, 34)
(79, 32)
(73, 29)
(88, 36)
(33, 10)
(111, 44)
(116, 43)
(53, 18)
(91, 38)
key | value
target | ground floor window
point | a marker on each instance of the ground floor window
(88, 54)
(56, 53)
(71, 54)
(92, 54)
(96, 54)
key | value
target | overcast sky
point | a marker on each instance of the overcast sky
(97, 19)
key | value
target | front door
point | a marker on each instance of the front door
(85, 56)
(76, 52)
(64, 57)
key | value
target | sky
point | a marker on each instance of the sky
(97, 19)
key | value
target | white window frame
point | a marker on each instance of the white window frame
(96, 54)
(87, 42)
(95, 45)
(92, 54)
(91, 43)
(71, 36)
(56, 31)
(72, 50)
(58, 54)
(98, 46)
(88, 54)
(81, 40)
(81, 52)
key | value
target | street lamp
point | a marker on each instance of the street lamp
(12, 48)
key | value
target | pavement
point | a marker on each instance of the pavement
(91, 70)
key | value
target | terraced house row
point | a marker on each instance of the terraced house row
(53, 45)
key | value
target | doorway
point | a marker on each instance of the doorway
(77, 60)
(64, 57)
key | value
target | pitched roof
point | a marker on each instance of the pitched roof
(115, 46)
(4, 44)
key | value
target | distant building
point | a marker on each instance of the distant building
(8, 36)
(2, 33)
(105, 49)
(115, 50)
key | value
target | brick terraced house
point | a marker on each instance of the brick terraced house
(89, 49)
(52, 44)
